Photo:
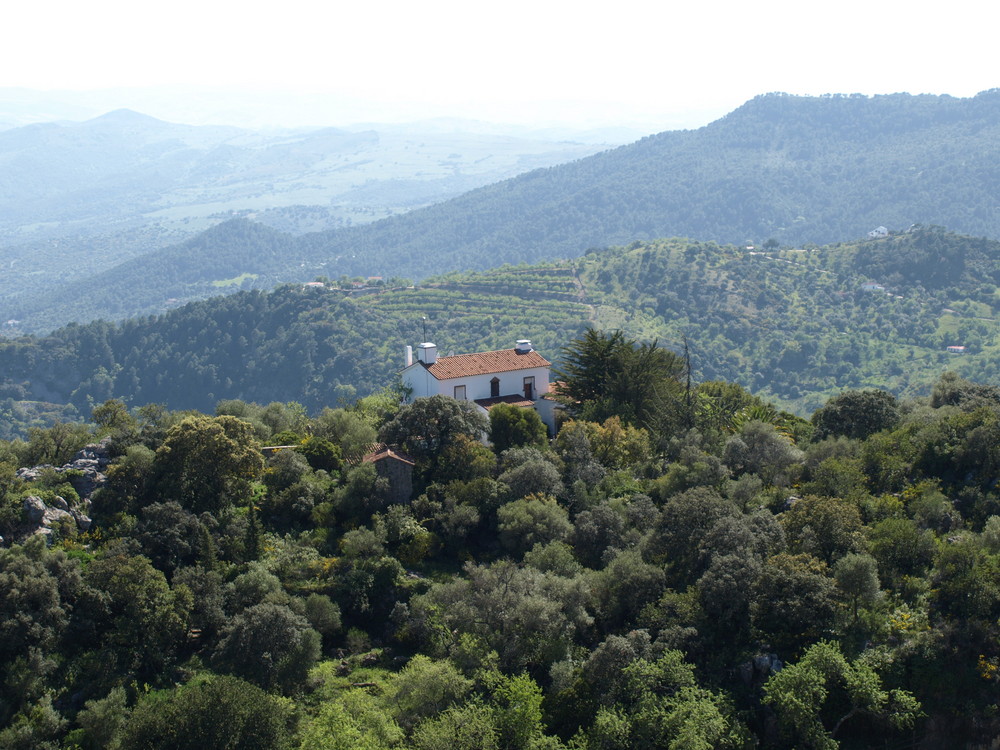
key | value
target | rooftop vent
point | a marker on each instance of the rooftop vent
(427, 353)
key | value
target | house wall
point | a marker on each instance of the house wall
(476, 386)
(546, 409)
(400, 476)
(419, 382)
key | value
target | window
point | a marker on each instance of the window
(529, 388)
(460, 392)
(495, 388)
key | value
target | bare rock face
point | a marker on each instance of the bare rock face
(83, 521)
(60, 503)
(41, 518)
(86, 470)
(34, 509)
(33, 473)
(85, 473)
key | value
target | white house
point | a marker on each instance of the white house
(518, 376)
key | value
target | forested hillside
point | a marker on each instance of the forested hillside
(794, 325)
(793, 169)
(707, 572)
(796, 169)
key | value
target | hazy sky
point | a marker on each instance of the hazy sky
(661, 65)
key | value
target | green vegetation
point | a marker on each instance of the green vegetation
(731, 577)
(792, 325)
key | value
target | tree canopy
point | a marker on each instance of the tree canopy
(604, 374)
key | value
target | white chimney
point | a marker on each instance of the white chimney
(523, 346)
(409, 355)
(427, 353)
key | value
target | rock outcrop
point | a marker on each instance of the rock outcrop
(46, 519)
(85, 473)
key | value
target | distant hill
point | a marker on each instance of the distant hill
(795, 169)
(793, 325)
(79, 198)
(64, 178)
(798, 170)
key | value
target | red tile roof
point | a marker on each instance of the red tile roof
(374, 458)
(485, 363)
(375, 452)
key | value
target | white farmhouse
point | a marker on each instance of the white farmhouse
(518, 376)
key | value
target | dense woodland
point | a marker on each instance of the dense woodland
(795, 169)
(794, 325)
(682, 566)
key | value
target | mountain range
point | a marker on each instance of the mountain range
(81, 198)
(795, 170)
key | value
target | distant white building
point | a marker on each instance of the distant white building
(956, 349)
(879, 232)
(518, 376)
(871, 286)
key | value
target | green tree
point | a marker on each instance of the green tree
(323, 614)
(37, 727)
(528, 471)
(901, 549)
(758, 448)
(616, 445)
(269, 645)
(952, 390)
(625, 586)
(170, 536)
(683, 522)
(145, 620)
(528, 617)
(54, 445)
(535, 519)
(347, 429)
(208, 463)
(216, 713)
(101, 721)
(857, 577)
(429, 426)
(113, 419)
(320, 453)
(856, 414)
(511, 426)
(793, 602)
(667, 708)
(802, 693)
(33, 612)
(966, 581)
(425, 688)
(516, 701)
(827, 527)
(604, 375)
(128, 485)
(466, 727)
